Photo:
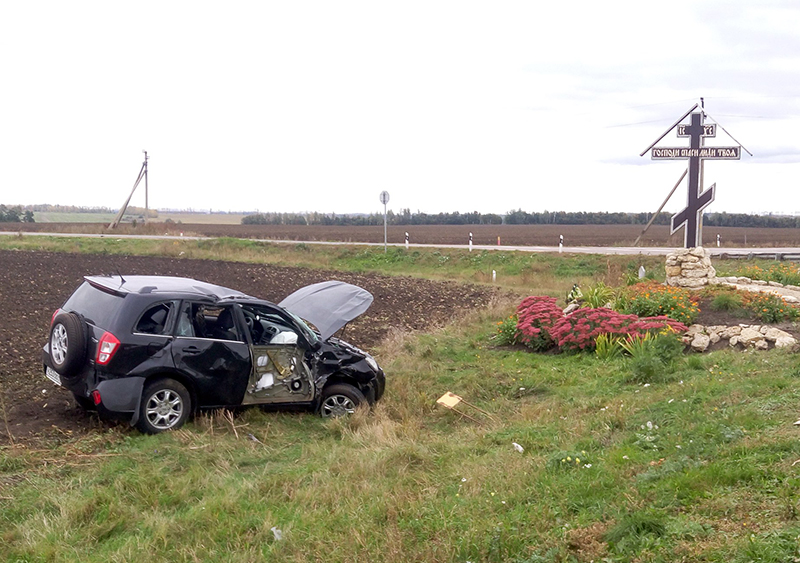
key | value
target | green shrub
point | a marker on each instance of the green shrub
(726, 302)
(536, 316)
(633, 527)
(770, 308)
(785, 273)
(651, 356)
(650, 299)
(598, 295)
(608, 346)
(507, 333)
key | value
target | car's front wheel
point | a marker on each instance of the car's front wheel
(340, 399)
(166, 404)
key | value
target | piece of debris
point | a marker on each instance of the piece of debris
(277, 533)
(451, 400)
(517, 447)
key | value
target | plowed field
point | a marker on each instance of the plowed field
(514, 235)
(34, 284)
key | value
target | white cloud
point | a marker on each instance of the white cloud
(447, 105)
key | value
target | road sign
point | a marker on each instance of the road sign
(384, 197)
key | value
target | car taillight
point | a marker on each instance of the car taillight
(96, 397)
(57, 311)
(106, 348)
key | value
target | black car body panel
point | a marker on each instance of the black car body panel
(224, 347)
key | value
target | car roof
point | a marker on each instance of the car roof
(122, 285)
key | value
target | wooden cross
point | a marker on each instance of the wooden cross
(692, 215)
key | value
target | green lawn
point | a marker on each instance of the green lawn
(698, 465)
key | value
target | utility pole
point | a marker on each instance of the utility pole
(142, 174)
(146, 203)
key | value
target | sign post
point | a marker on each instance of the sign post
(384, 201)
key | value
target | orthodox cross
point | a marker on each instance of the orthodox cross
(691, 217)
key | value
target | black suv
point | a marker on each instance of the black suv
(154, 349)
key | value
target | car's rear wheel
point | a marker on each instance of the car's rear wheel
(67, 344)
(166, 404)
(340, 399)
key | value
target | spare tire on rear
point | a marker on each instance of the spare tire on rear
(67, 344)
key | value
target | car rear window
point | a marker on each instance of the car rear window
(96, 306)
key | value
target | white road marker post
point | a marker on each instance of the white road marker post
(494, 276)
(384, 201)
(717, 241)
(406, 241)
(560, 243)
(470, 242)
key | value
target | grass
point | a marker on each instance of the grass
(696, 467)
(551, 274)
(694, 464)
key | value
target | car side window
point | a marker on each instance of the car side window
(207, 321)
(154, 319)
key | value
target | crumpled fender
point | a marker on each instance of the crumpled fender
(122, 395)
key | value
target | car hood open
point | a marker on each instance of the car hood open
(328, 305)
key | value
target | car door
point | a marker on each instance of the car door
(280, 372)
(147, 348)
(210, 349)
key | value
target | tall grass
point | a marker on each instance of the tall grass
(650, 472)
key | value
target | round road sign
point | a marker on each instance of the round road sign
(384, 197)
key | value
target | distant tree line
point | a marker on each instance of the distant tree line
(516, 217)
(15, 215)
(44, 207)
(406, 217)
(745, 220)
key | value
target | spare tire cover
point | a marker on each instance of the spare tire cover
(67, 344)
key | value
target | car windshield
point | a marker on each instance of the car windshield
(310, 335)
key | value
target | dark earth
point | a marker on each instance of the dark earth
(34, 284)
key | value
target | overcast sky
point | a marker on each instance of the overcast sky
(468, 106)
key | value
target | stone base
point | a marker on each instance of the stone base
(758, 337)
(690, 268)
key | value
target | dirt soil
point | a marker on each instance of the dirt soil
(34, 284)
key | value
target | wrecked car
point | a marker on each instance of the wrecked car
(155, 349)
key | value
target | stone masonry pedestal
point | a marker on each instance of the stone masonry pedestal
(690, 268)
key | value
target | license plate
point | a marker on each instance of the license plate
(52, 375)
